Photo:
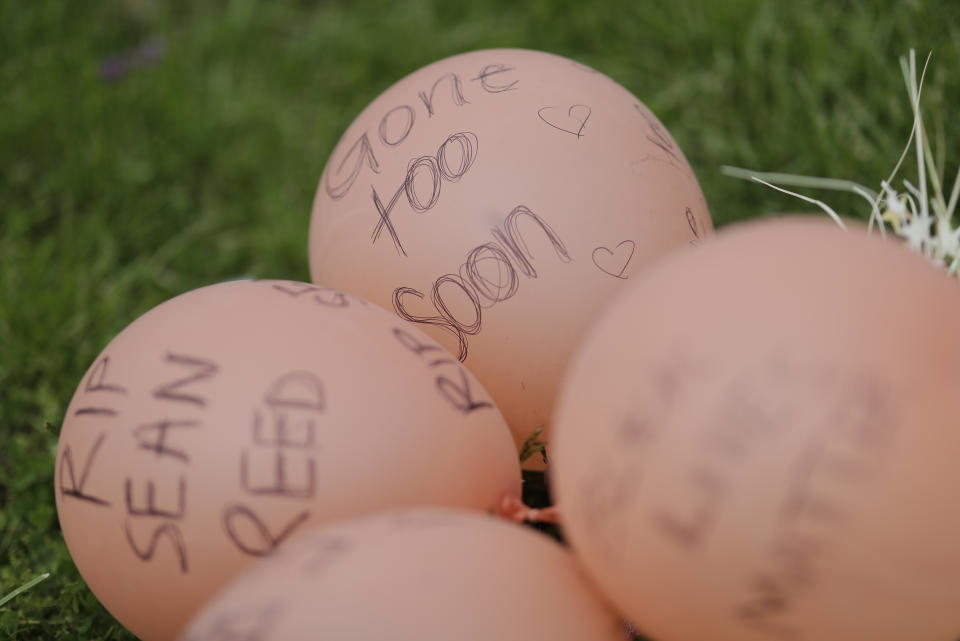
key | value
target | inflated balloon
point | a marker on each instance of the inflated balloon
(230, 418)
(759, 442)
(413, 576)
(499, 199)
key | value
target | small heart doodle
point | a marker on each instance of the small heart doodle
(614, 262)
(573, 123)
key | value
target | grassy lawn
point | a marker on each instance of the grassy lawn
(150, 148)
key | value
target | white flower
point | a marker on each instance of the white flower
(908, 212)
(948, 239)
(916, 231)
(896, 212)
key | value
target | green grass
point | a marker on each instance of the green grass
(201, 167)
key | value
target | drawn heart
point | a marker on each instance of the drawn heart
(573, 123)
(614, 261)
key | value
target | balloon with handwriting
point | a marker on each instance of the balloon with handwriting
(500, 199)
(419, 575)
(231, 418)
(759, 442)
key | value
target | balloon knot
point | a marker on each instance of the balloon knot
(513, 509)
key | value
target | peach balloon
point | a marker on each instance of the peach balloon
(760, 442)
(227, 419)
(500, 199)
(419, 575)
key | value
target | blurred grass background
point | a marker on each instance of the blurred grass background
(148, 148)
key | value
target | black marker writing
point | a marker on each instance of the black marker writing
(635, 432)
(330, 298)
(493, 70)
(458, 391)
(96, 382)
(153, 437)
(294, 402)
(771, 600)
(67, 472)
(384, 213)
(424, 165)
(456, 92)
(297, 390)
(689, 528)
(97, 411)
(151, 509)
(516, 243)
(263, 541)
(280, 484)
(324, 550)
(158, 443)
(285, 432)
(694, 225)
(469, 298)
(802, 500)
(447, 325)
(469, 285)
(658, 136)
(172, 534)
(392, 140)
(467, 145)
(323, 296)
(203, 369)
(604, 493)
(283, 435)
(414, 345)
(822, 493)
(249, 622)
(362, 153)
(398, 122)
(609, 489)
(478, 270)
(423, 181)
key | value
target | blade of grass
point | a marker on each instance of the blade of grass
(954, 195)
(23, 588)
(819, 203)
(795, 180)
